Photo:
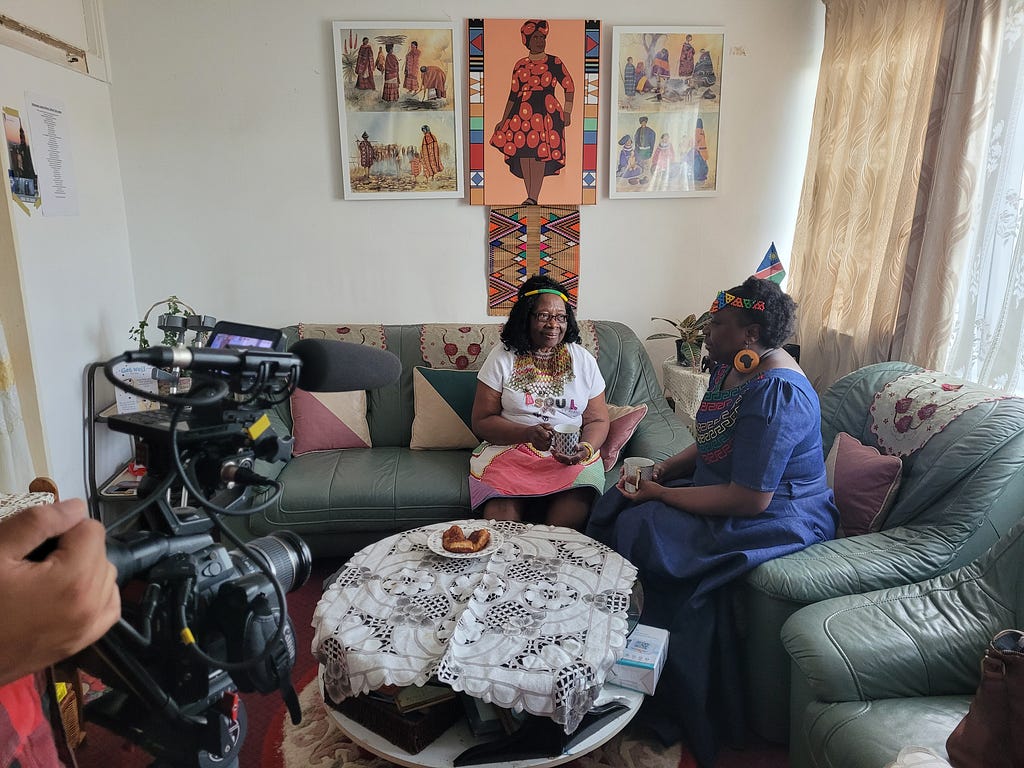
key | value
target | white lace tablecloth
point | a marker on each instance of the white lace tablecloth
(533, 626)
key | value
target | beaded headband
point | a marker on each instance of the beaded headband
(547, 290)
(725, 299)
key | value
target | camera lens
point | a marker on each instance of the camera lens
(287, 556)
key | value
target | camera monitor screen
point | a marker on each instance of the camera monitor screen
(227, 334)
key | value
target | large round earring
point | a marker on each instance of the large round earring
(746, 360)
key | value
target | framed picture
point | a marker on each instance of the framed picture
(399, 109)
(667, 90)
(533, 111)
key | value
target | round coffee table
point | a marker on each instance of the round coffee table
(442, 752)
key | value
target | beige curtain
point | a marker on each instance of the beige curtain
(857, 206)
(15, 461)
(953, 220)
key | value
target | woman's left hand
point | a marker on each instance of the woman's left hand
(582, 454)
(649, 490)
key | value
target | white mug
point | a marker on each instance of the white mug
(637, 469)
(565, 439)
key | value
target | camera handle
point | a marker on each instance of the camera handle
(138, 710)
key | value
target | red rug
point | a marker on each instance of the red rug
(273, 742)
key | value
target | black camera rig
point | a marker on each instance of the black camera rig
(200, 623)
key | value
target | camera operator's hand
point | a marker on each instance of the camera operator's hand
(56, 606)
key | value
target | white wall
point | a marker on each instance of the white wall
(227, 130)
(74, 272)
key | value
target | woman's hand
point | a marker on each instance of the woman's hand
(539, 436)
(583, 453)
(658, 470)
(649, 490)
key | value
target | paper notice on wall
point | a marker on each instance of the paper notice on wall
(52, 145)
(140, 376)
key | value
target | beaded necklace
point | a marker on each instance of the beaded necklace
(542, 374)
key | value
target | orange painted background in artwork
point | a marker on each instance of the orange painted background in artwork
(503, 47)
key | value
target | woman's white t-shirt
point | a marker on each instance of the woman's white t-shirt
(566, 408)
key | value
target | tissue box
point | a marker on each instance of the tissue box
(641, 663)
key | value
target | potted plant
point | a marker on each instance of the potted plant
(689, 337)
(172, 336)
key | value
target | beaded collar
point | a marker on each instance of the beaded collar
(540, 373)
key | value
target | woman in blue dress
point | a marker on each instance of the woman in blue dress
(752, 488)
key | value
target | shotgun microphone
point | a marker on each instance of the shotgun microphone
(341, 366)
(323, 365)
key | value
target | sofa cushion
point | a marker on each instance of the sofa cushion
(323, 421)
(622, 423)
(443, 408)
(864, 482)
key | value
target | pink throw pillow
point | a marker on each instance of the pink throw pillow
(622, 423)
(323, 421)
(864, 482)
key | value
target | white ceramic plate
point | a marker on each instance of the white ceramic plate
(434, 542)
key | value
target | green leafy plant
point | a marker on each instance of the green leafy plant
(689, 336)
(175, 306)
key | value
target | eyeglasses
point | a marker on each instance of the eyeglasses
(543, 317)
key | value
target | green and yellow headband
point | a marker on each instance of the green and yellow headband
(725, 299)
(547, 290)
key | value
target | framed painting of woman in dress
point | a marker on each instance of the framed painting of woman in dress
(667, 89)
(533, 110)
(399, 109)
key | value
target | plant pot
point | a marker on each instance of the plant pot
(687, 353)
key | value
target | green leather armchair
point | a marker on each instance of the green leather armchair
(898, 667)
(961, 490)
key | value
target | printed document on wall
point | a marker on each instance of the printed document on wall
(51, 134)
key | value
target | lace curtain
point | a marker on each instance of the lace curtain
(964, 283)
(15, 462)
(988, 329)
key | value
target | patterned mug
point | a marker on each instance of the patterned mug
(566, 439)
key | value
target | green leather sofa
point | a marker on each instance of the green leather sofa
(960, 492)
(898, 667)
(338, 501)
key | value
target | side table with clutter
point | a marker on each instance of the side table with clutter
(686, 386)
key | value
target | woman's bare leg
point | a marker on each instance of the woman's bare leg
(570, 508)
(504, 509)
(533, 176)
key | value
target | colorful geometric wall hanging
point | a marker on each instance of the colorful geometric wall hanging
(520, 152)
(527, 240)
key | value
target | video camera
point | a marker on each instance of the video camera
(199, 622)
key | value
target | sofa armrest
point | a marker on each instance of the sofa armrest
(921, 639)
(856, 564)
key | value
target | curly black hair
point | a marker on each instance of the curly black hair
(516, 333)
(778, 320)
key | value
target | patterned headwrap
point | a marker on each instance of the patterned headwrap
(726, 299)
(531, 26)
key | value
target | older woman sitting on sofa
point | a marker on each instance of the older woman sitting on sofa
(539, 378)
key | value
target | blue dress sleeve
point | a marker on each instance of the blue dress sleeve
(774, 417)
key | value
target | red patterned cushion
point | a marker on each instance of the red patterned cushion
(865, 484)
(623, 421)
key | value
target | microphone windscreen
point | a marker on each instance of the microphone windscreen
(341, 366)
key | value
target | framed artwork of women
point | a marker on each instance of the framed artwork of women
(533, 111)
(399, 109)
(665, 115)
